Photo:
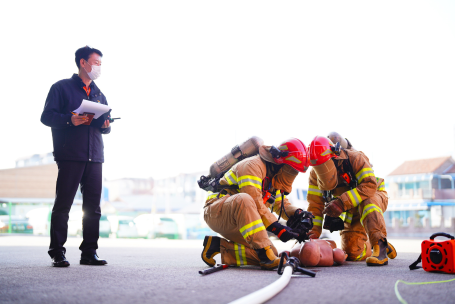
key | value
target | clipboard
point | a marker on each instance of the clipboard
(89, 116)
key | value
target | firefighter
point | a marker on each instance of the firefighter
(344, 180)
(240, 214)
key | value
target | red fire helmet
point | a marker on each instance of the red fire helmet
(296, 156)
(320, 150)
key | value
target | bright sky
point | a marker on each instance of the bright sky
(190, 79)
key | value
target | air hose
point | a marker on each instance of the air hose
(416, 283)
(268, 292)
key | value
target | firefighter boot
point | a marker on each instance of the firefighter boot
(391, 252)
(211, 249)
(268, 259)
(379, 256)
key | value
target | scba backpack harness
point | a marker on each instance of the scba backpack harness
(347, 174)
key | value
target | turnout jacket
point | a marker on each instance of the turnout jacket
(367, 185)
(248, 175)
(76, 143)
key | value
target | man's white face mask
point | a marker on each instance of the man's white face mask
(95, 73)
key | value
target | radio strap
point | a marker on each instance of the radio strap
(414, 266)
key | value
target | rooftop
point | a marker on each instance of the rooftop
(432, 165)
(451, 169)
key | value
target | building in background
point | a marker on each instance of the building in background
(422, 190)
(177, 194)
(173, 205)
(25, 188)
(35, 160)
(128, 196)
(27, 194)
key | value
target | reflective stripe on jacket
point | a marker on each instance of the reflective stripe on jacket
(248, 175)
(367, 186)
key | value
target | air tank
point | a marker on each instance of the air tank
(239, 152)
(336, 137)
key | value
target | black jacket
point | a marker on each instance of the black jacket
(77, 143)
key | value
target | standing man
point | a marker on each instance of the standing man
(78, 152)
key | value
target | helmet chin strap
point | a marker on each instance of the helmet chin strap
(277, 153)
(273, 169)
(336, 149)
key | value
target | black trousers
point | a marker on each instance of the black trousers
(70, 175)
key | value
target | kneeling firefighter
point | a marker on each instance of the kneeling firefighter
(343, 186)
(239, 211)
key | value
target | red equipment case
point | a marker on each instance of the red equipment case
(439, 255)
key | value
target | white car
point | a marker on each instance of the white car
(145, 224)
(167, 228)
(156, 226)
(126, 227)
(105, 226)
(39, 218)
(75, 222)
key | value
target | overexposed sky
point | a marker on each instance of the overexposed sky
(190, 79)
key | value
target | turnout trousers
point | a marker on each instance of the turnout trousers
(71, 174)
(366, 229)
(236, 218)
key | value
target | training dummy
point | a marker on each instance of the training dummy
(318, 253)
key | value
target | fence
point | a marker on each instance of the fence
(397, 229)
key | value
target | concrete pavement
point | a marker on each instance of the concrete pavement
(166, 271)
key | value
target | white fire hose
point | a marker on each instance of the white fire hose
(268, 292)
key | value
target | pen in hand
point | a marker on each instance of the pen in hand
(77, 120)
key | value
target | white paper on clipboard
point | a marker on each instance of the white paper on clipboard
(88, 106)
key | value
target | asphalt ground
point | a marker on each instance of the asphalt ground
(166, 271)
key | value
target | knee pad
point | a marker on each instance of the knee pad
(356, 245)
(245, 199)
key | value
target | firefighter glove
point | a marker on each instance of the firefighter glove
(334, 208)
(282, 232)
(297, 215)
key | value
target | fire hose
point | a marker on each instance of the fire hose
(268, 292)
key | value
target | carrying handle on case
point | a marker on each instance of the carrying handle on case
(441, 234)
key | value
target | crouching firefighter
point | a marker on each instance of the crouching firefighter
(343, 187)
(239, 211)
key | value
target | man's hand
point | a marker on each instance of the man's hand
(78, 120)
(314, 234)
(334, 208)
(106, 124)
(282, 232)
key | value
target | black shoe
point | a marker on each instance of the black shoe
(92, 259)
(60, 261)
(211, 249)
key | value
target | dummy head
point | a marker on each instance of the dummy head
(310, 254)
(318, 253)
(339, 256)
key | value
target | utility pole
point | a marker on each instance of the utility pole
(10, 207)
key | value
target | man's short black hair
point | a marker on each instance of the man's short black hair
(85, 52)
